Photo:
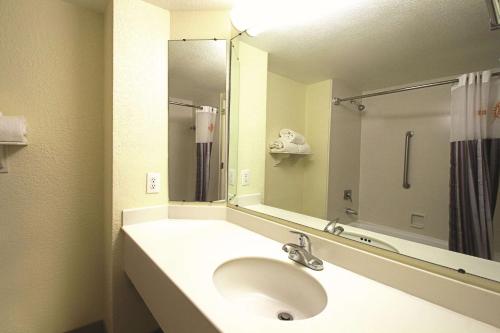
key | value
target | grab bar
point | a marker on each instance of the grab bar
(408, 135)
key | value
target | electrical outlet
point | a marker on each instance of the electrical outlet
(245, 177)
(153, 182)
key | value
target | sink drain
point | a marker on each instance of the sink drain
(285, 316)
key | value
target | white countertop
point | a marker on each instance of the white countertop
(189, 251)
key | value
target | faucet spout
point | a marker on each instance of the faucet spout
(301, 253)
(332, 227)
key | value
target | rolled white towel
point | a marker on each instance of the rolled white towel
(292, 136)
(12, 129)
(281, 145)
(304, 149)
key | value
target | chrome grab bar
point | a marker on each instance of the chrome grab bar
(409, 134)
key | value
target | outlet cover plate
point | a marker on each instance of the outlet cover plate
(245, 177)
(153, 182)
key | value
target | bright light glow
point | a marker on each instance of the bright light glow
(256, 16)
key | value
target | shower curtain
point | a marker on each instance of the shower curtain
(475, 163)
(205, 127)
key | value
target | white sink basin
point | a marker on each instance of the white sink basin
(270, 288)
(369, 240)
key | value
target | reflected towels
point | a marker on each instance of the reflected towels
(12, 129)
(292, 136)
(282, 145)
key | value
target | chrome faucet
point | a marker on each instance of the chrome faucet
(332, 227)
(302, 253)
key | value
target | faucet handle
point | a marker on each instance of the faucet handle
(304, 240)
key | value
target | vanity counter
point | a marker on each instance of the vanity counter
(171, 263)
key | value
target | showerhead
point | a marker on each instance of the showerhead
(360, 106)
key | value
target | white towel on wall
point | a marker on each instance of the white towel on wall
(12, 129)
(292, 136)
(282, 145)
(304, 149)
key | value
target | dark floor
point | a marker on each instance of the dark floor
(98, 327)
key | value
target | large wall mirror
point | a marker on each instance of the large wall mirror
(197, 120)
(383, 128)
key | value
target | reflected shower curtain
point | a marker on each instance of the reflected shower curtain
(205, 126)
(475, 163)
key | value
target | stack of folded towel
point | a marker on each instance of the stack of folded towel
(291, 142)
(12, 129)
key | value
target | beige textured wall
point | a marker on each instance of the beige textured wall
(140, 33)
(318, 110)
(200, 24)
(383, 200)
(286, 103)
(234, 123)
(345, 145)
(108, 164)
(252, 117)
(51, 225)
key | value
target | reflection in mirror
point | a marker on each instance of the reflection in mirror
(387, 135)
(197, 120)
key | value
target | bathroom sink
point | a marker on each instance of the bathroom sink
(270, 288)
(369, 240)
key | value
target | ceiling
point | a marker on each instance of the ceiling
(376, 44)
(372, 44)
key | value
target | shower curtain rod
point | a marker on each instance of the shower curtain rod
(337, 100)
(187, 105)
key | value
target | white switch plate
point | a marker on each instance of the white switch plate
(153, 182)
(245, 177)
(231, 177)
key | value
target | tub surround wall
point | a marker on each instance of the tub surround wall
(51, 223)
(383, 128)
(366, 155)
(344, 157)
